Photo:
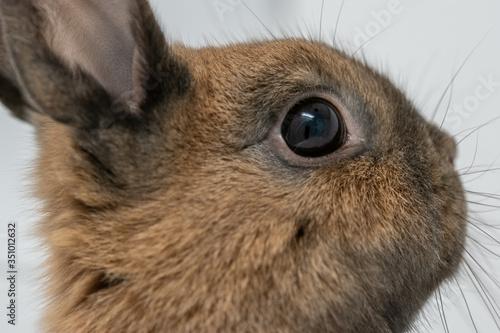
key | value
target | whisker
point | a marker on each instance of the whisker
(483, 199)
(483, 294)
(458, 72)
(472, 131)
(482, 204)
(321, 20)
(476, 129)
(373, 37)
(479, 244)
(475, 153)
(445, 322)
(258, 19)
(479, 171)
(484, 211)
(467, 305)
(489, 169)
(485, 224)
(484, 194)
(337, 22)
(488, 275)
(480, 166)
(448, 106)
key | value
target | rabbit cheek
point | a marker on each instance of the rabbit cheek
(390, 245)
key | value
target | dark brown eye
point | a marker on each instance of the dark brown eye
(313, 128)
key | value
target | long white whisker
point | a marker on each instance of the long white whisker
(439, 308)
(337, 23)
(484, 194)
(496, 227)
(445, 322)
(458, 72)
(483, 246)
(475, 152)
(373, 37)
(478, 285)
(321, 20)
(258, 19)
(467, 305)
(448, 106)
(477, 129)
(492, 279)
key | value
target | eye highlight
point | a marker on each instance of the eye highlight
(314, 128)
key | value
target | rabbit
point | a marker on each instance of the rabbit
(269, 186)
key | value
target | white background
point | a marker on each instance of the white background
(420, 44)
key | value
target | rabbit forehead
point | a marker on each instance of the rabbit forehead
(248, 85)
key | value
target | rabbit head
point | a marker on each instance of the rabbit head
(268, 186)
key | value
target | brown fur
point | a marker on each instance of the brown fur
(188, 216)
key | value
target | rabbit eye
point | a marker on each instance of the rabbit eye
(313, 128)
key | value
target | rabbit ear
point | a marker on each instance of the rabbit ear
(84, 61)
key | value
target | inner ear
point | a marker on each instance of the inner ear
(86, 63)
(96, 36)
